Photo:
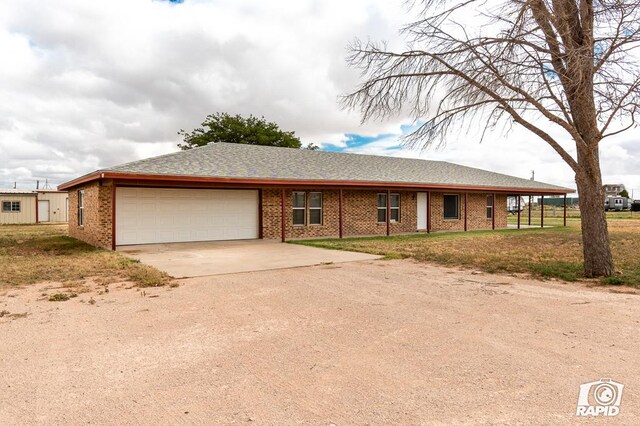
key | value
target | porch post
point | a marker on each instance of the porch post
(428, 211)
(518, 211)
(388, 212)
(340, 212)
(493, 211)
(282, 215)
(530, 201)
(465, 211)
(542, 211)
(113, 216)
(565, 211)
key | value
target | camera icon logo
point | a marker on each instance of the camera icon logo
(601, 398)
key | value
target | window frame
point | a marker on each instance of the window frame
(391, 208)
(12, 204)
(490, 206)
(303, 208)
(309, 208)
(444, 210)
(81, 207)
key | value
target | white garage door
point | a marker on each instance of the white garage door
(151, 215)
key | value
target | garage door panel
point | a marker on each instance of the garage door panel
(154, 215)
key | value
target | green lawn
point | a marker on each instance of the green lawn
(549, 252)
(37, 253)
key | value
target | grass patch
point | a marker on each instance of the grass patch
(36, 253)
(545, 253)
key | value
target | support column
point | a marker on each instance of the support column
(465, 211)
(530, 201)
(282, 215)
(564, 219)
(37, 212)
(340, 212)
(493, 211)
(542, 211)
(113, 216)
(519, 211)
(428, 212)
(388, 212)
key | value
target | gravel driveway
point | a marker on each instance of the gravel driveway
(375, 342)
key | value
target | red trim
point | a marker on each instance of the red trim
(565, 211)
(388, 212)
(340, 212)
(283, 221)
(113, 217)
(465, 211)
(37, 212)
(428, 211)
(493, 211)
(542, 211)
(518, 211)
(144, 179)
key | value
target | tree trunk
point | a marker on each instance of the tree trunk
(596, 247)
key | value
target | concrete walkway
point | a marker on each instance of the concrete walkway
(185, 260)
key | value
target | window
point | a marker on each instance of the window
(489, 206)
(11, 206)
(315, 208)
(394, 208)
(81, 207)
(382, 207)
(299, 208)
(451, 206)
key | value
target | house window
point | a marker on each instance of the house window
(394, 208)
(315, 208)
(81, 207)
(489, 206)
(452, 206)
(299, 208)
(11, 206)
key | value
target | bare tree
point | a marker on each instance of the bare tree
(533, 63)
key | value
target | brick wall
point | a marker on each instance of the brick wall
(359, 213)
(476, 214)
(97, 214)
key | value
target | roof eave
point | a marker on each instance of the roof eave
(291, 182)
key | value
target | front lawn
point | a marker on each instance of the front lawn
(37, 253)
(549, 252)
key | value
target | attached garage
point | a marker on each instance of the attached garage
(159, 215)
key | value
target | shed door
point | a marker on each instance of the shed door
(154, 215)
(43, 210)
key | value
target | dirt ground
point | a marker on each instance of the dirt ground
(376, 342)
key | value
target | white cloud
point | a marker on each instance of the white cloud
(89, 84)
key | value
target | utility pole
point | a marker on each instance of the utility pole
(37, 185)
(533, 175)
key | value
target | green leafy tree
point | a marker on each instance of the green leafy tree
(624, 193)
(222, 127)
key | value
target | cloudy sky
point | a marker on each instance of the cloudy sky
(90, 84)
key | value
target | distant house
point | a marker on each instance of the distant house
(612, 189)
(19, 206)
(226, 191)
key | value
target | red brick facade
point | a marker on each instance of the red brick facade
(96, 229)
(359, 213)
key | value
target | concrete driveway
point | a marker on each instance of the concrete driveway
(186, 260)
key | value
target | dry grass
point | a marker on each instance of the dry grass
(550, 252)
(37, 253)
